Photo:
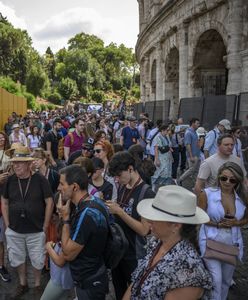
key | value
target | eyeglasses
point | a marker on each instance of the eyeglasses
(97, 151)
(231, 180)
(86, 149)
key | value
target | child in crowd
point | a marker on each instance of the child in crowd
(104, 187)
(60, 283)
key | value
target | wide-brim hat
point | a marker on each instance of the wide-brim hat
(13, 147)
(22, 154)
(173, 204)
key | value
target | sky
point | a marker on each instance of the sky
(53, 22)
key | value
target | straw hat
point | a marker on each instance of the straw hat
(173, 204)
(13, 147)
(22, 154)
(15, 126)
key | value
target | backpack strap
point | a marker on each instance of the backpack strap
(145, 187)
(151, 140)
(79, 223)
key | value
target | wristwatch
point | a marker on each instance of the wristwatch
(66, 222)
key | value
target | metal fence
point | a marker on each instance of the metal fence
(242, 111)
(208, 109)
(157, 110)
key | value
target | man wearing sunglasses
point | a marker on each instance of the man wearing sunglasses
(87, 151)
(209, 168)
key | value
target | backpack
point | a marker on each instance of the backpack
(61, 145)
(116, 244)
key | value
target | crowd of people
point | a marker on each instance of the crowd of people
(64, 177)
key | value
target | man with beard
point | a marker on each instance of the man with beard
(52, 141)
(84, 234)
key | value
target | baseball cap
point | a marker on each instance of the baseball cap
(226, 123)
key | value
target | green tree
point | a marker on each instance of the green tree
(68, 88)
(50, 64)
(37, 81)
(85, 42)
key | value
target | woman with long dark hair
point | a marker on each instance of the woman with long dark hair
(226, 205)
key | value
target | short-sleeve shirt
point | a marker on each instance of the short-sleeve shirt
(191, 138)
(74, 141)
(130, 136)
(129, 205)
(54, 140)
(209, 168)
(180, 267)
(106, 189)
(32, 207)
(211, 141)
(92, 235)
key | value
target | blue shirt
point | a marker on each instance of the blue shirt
(191, 138)
(130, 136)
(211, 141)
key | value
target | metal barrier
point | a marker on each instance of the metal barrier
(242, 112)
(216, 108)
(157, 110)
(208, 109)
(190, 108)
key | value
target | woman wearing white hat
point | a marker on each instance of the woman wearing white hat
(172, 268)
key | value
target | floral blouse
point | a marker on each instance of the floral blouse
(180, 267)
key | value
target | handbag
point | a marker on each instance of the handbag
(221, 251)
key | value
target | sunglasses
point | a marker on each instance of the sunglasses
(231, 180)
(97, 151)
(86, 149)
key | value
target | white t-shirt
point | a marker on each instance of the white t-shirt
(209, 168)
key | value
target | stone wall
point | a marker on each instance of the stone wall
(194, 47)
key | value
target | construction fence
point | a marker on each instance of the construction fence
(10, 103)
(208, 109)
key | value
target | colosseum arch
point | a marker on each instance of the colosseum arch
(209, 72)
(171, 85)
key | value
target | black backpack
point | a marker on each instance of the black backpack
(117, 243)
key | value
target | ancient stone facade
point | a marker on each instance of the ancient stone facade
(190, 48)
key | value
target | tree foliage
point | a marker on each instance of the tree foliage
(87, 68)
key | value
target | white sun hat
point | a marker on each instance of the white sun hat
(173, 203)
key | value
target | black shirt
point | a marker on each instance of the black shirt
(129, 205)
(54, 139)
(27, 216)
(106, 189)
(92, 234)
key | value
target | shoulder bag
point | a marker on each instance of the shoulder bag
(221, 251)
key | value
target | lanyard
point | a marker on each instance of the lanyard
(26, 190)
(124, 197)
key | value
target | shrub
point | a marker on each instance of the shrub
(43, 106)
(31, 103)
(55, 98)
(98, 96)
(50, 106)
